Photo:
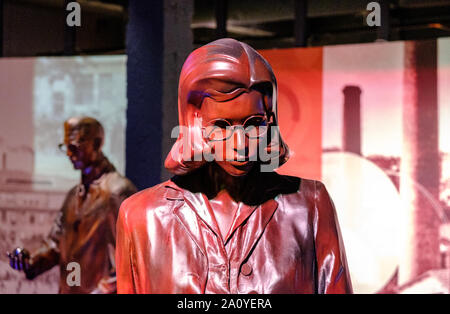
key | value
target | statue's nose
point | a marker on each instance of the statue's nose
(239, 139)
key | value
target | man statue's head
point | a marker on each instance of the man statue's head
(83, 141)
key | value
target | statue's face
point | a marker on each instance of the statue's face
(233, 154)
(81, 152)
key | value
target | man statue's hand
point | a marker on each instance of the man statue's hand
(19, 259)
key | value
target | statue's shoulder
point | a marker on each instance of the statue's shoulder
(301, 190)
(312, 195)
(117, 184)
(158, 197)
(312, 188)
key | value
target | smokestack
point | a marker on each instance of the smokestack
(420, 160)
(352, 119)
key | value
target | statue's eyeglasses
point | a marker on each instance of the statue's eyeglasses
(71, 147)
(254, 127)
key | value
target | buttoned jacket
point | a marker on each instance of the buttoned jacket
(285, 239)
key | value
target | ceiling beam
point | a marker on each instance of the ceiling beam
(221, 11)
(301, 23)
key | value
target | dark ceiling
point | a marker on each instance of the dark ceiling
(261, 23)
(269, 24)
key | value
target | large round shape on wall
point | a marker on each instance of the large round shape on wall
(368, 207)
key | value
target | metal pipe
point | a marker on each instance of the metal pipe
(221, 18)
(300, 23)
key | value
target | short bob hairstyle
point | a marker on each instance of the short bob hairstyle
(221, 70)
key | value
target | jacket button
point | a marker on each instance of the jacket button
(246, 269)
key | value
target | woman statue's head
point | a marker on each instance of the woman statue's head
(227, 104)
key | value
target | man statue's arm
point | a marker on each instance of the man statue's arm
(42, 259)
(48, 253)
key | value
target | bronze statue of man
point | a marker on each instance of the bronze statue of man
(85, 230)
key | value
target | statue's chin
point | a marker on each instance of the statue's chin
(236, 169)
(77, 165)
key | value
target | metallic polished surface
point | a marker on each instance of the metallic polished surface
(169, 242)
(220, 72)
(85, 228)
(226, 226)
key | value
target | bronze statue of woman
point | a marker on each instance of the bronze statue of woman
(226, 222)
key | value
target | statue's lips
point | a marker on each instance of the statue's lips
(239, 164)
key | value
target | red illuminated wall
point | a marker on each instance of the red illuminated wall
(299, 76)
(372, 121)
